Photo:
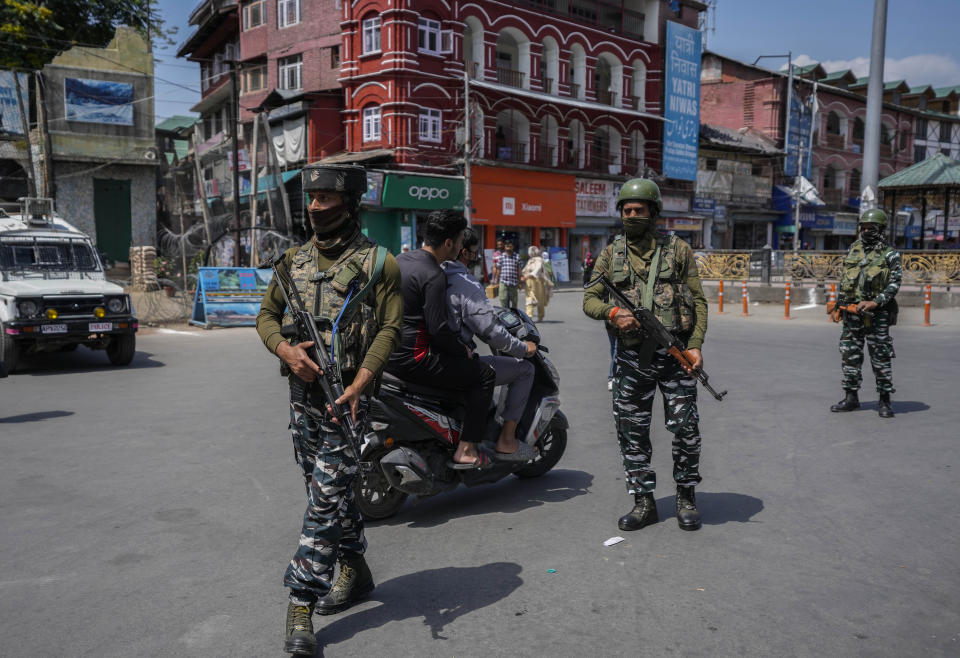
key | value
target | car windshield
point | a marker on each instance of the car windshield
(46, 255)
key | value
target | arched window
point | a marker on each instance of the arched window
(512, 137)
(473, 47)
(550, 65)
(829, 178)
(549, 140)
(855, 182)
(573, 148)
(858, 129)
(608, 79)
(833, 124)
(638, 147)
(578, 71)
(513, 58)
(639, 85)
(371, 123)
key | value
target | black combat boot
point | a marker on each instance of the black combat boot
(883, 407)
(299, 638)
(848, 403)
(688, 518)
(353, 585)
(644, 513)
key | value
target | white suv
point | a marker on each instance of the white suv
(54, 294)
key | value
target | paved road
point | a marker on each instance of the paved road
(150, 511)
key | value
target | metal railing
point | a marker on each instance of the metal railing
(832, 196)
(574, 90)
(639, 104)
(607, 97)
(548, 85)
(545, 155)
(512, 151)
(836, 141)
(919, 267)
(510, 77)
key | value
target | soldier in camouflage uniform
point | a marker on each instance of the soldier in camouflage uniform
(675, 295)
(872, 272)
(353, 289)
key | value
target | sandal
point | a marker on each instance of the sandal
(524, 453)
(482, 461)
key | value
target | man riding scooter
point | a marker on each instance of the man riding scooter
(472, 315)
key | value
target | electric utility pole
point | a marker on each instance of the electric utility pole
(871, 141)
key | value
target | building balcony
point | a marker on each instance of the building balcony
(510, 77)
(606, 16)
(833, 197)
(545, 156)
(549, 86)
(836, 141)
(511, 151)
(639, 104)
(607, 98)
(574, 90)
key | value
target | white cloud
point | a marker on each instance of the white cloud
(936, 70)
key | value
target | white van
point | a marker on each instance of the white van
(54, 294)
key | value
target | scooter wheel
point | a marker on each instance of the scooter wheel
(550, 448)
(374, 495)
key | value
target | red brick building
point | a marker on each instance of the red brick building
(559, 92)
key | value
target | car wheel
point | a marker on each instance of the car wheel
(122, 349)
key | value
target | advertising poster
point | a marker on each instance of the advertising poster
(9, 107)
(801, 120)
(98, 101)
(681, 131)
(229, 296)
(560, 263)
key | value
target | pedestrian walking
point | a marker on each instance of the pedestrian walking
(659, 273)
(872, 272)
(507, 273)
(538, 286)
(354, 286)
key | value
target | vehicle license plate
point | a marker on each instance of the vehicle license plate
(101, 326)
(53, 329)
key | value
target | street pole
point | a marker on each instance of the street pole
(467, 130)
(786, 129)
(235, 178)
(871, 141)
(796, 209)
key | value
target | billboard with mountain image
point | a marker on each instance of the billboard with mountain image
(98, 101)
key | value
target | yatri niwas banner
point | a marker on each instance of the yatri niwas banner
(681, 102)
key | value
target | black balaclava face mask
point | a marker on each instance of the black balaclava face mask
(635, 228)
(871, 235)
(328, 222)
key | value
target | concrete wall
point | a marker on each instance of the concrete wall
(75, 198)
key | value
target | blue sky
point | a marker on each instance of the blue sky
(922, 42)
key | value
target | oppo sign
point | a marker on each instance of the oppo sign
(422, 192)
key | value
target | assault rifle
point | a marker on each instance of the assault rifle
(834, 310)
(655, 330)
(329, 376)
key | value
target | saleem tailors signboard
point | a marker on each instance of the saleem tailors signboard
(681, 102)
(422, 192)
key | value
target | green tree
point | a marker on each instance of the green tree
(33, 32)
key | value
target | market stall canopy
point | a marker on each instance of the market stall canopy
(936, 171)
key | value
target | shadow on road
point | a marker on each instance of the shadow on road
(440, 596)
(504, 497)
(898, 406)
(716, 508)
(81, 361)
(32, 418)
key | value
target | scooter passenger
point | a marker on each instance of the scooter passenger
(472, 315)
(430, 352)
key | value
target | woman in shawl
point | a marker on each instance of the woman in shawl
(538, 284)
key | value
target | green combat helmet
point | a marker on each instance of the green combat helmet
(334, 178)
(874, 216)
(641, 189)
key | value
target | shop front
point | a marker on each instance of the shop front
(598, 220)
(395, 203)
(528, 207)
(677, 218)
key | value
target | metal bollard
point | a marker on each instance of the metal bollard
(720, 298)
(926, 306)
(744, 299)
(786, 302)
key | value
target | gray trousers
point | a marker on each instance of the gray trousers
(517, 375)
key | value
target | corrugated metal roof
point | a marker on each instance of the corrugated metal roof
(943, 92)
(935, 171)
(738, 139)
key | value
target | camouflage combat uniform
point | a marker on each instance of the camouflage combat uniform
(869, 275)
(678, 301)
(332, 525)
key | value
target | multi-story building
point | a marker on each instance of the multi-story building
(562, 94)
(737, 95)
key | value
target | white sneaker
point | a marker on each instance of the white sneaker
(609, 384)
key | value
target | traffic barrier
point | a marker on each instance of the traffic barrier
(720, 297)
(744, 299)
(786, 302)
(926, 306)
(833, 293)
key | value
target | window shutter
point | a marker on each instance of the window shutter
(446, 42)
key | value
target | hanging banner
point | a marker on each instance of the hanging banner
(801, 120)
(681, 132)
(10, 121)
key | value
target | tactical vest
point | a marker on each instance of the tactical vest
(865, 273)
(326, 295)
(670, 299)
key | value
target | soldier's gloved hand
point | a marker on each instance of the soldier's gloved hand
(624, 320)
(869, 307)
(299, 361)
